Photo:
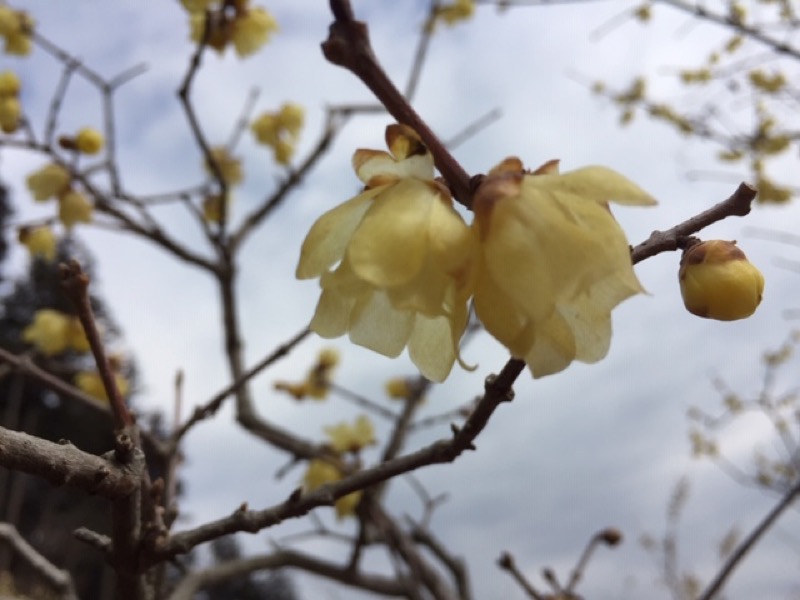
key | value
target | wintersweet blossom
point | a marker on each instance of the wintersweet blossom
(394, 262)
(351, 438)
(74, 207)
(49, 181)
(40, 241)
(319, 473)
(15, 29)
(280, 130)
(718, 282)
(456, 11)
(90, 383)
(53, 332)
(230, 167)
(252, 29)
(89, 141)
(10, 107)
(318, 380)
(553, 261)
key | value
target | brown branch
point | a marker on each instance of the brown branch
(348, 46)
(64, 464)
(59, 580)
(212, 406)
(498, 390)
(507, 563)
(747, 544)
(76, 285)
(376, 584)
(738, 204)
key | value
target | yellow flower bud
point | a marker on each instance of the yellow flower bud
(10, 113)
(15, 29)
(49, 332)
(212, 208)
(89, 141)
(40, 241)
(74, 207)
(718, 282)
(397, 388)
(9, 83)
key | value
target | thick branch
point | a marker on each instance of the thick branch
(64, 464)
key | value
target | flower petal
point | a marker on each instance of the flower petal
(594, 183)
(374, 324)
(390, 245)
(376, 165)
(325, 243)
(431, 347)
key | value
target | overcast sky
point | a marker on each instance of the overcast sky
(595, 446)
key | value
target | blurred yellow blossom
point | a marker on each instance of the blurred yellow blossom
(280, 130)
(90, 383)
(74, 207)
(9, 83)
(40, 241)
(397, 388)
(10, 113)
(554, 262)
(351, 438)
(317, 382)
(89, 141)
(229, 166)
(458, 10)
(53, 332)
(318, 474)
(251, 29)
(49, 332)
(15, 29)
(50, 181)
(195, 6)
(394, 262)
(212, 207)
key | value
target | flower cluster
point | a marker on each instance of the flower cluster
(54, 181)
(52, 332)
(221, 24)
(280, 130)
(544, 260)
(351, 438)
(10, 108)
(15, 29)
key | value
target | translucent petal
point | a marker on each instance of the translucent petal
(390, 245)
(332, 316)
(554, 348)
(371, 164)
(374, 324)
(452, 243)
(498, 313)
(325, 243)
(431, 347)
(593, 183)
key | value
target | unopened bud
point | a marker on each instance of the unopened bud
(718, 282)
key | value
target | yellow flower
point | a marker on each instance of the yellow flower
(90, 383)
(404, 260)
(251, 29)
(76, 336)
(89, 141)
(15, 28)
(74, 207)
(318, 380)
(49, 181)
(40, 241)
(397, 388)
(49, 332)
(9, 83)
(459, 10)
(230, 167)
(280, 130)
(718, 282)
(195, 6)
(351, 438)
(212, 208)
(10, 113)
(554, 262)
(318, 474)
(219, 29)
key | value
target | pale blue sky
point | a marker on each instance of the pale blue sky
(595, 446)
